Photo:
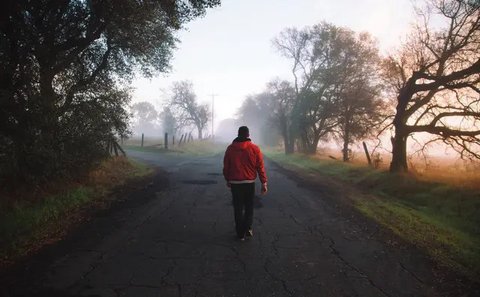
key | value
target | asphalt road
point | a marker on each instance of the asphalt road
(176, 238)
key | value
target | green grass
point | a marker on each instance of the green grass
(25, 226)
(442, 219)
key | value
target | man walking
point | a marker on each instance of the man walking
(242, 161)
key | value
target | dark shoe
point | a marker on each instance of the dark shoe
(249, 233)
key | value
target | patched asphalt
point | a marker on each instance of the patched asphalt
(176, 237)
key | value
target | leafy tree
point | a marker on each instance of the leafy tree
(311, 117)
(436, 76)
(184, 105)
(314, 117)
(359, 114)
(249, 113)
(282, 94)
(255, 112)
(333, 76)
(359, 108)
(335, 88)
(63, 59)
(144, 117)
(169, 123)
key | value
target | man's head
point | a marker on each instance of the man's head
(243, 132)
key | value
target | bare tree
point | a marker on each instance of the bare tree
(184, 105)
(295, 44)
(437, 75)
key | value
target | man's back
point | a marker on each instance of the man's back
(243, 160)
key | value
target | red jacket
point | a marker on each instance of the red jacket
(242, 161)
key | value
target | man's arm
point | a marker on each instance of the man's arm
(261, 171)
(226, 167)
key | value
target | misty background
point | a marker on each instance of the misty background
(229, 54)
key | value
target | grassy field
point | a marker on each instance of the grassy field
(193, 148)
(440, 217)
(27, 225)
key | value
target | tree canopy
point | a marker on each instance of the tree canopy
(144, 118)
(334, 85)
(62, 64)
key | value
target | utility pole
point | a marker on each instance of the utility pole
(213, 111)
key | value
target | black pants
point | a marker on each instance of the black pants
(243, 206)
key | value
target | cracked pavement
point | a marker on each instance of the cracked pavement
(178, 240)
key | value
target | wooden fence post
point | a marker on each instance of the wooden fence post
(367, 154)
(180, 142)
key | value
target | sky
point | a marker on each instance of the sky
(229, 51)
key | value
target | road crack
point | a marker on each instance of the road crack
(411, 273)
(276, 278)
(354, 268)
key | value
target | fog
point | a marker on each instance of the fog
(229, 51)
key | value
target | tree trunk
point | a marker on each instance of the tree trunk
(21, 168)
(346, 157)
(399, 142)
(47, 145)
(303, 144)
(346, 142)
(399, 150)
(289, 145)
(311, 149)
(288, 140)
(200, 136)
(310, 146)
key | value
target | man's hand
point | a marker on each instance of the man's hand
(229, 185)
(264, 189)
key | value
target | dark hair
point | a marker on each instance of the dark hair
(243, 131)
